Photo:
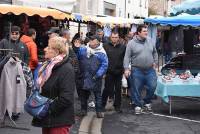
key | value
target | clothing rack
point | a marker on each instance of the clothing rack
(4, 123)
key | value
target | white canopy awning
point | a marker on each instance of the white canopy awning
(63, 5)
(116, 21)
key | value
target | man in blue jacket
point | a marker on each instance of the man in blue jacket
(93, 64)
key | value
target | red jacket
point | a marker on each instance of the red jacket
(32, 48)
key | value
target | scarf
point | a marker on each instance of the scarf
(91, 51)
(46, 70)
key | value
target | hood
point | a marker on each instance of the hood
(26, 39)
(91, 51)
(138, 39)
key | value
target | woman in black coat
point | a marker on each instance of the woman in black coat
(56, 79)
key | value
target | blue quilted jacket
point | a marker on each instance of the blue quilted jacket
(93, 65)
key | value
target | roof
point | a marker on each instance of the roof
(30, 11)
(188, 6)
(184, 20)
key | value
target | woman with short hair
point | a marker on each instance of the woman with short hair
(56, 81)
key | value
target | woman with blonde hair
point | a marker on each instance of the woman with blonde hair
(56, 81)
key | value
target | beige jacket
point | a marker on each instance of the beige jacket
(12, 88)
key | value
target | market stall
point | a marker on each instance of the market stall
(180, 76)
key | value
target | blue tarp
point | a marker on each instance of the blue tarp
(188, 6)
(186, 20)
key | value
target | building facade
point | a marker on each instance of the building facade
(117, 8)
(162, 7)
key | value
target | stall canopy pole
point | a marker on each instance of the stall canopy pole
(79, 27)
(67, 23)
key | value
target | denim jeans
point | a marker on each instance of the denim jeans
(138, 79)
(84, 96)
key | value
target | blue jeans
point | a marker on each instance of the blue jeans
(139, 78)
(84, 96)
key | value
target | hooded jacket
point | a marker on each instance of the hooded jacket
(32, 48)
(93, 65)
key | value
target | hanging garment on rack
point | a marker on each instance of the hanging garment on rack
(12, 88)
(3, 61)
(28, 77)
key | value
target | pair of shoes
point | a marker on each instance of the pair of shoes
(148, 108)
(83, 113)
(118, 110)
(100, 115)
(138, 110)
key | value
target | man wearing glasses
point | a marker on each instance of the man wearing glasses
(15, 44)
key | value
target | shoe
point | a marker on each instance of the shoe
(138, 110)
(148, 107)
(100, 115)
(91, 104)
(83, 113)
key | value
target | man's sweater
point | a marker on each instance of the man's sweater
(141, 53)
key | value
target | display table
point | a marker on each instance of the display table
(178, 88)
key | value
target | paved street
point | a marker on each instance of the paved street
(128, 123)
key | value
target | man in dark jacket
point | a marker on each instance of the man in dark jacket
(15, 44)
(115, 52)
(93, 64)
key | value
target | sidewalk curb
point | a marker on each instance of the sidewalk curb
(90, 124)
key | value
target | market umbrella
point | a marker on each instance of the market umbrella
(188, 6)
(184, 20)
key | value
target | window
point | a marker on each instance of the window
(90, 6)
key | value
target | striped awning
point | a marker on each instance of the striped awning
(30, 11)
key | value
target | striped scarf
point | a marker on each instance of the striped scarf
(46, 70)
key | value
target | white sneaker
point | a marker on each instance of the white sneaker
(148, 107)
(91, 104)
(138, 110)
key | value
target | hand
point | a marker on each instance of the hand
(154, 66)
(127, 73)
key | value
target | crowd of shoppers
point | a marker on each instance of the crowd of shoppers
(83, 65)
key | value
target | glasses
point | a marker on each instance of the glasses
(15, 33)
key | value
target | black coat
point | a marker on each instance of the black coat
(60, 87)
(115, 58)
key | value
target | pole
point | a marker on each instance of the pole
(79, 27)
(125, 10)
